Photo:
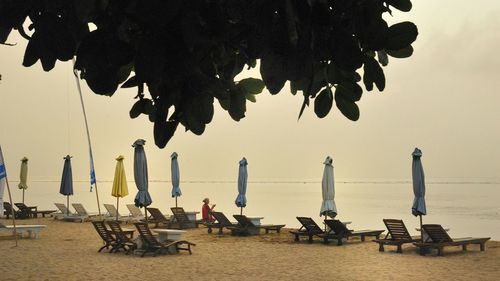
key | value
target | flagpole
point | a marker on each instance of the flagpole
(10, 197)
(92, 172)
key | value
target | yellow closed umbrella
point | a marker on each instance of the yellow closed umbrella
(120, 188)
(23, 178)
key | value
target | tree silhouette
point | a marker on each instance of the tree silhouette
(187, 53)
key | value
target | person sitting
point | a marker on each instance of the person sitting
(206, 211)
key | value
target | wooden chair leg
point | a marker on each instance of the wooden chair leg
(481, 246)
(381, 247)
(296, 239)
(440, 251)
(464, 247)
(310, 239)
(362, 238)
(400, 249)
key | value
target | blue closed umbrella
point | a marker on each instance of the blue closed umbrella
(418, 208)
(176, 190)
(67, 180)
(142, 199)
(241, 199)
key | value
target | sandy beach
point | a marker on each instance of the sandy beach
(68, 251)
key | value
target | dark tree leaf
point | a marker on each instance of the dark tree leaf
(130, 83)
(136, 109)
(373, 73)
(237, 107)
(348, 108)
(323, 103)
(273, 69)
(402, 5)
(348, 90)
(252, 86)
(163, 131)
(401, 35)
(402, 53)
(31, 55)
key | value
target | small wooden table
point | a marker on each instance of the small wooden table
(169, 234)
(255, 220)
(192, 215)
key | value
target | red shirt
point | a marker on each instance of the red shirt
(205, 213)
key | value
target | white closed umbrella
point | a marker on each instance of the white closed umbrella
(328, 208)
(417, 171)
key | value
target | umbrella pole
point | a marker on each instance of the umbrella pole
(176, 201)
(98, 204)
(11, 205)
(23, 195)
(146, 214)
(421, 230)
(117, 206)
(241, 211)
(67, 205)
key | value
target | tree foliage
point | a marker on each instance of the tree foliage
(182, 55)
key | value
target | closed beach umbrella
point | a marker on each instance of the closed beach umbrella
(241, 199)
(328, 207)
(176, 190)
(120, 188)
(142, 199)
(417, 171)
(23, 177)
(66, 188)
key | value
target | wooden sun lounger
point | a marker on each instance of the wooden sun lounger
(113, 214)
(105, 234)
(181, 220)
(10, 211)
(246, 227)
(221, 221)
(397, 235)
(33, 211)
(308, 228)
(153, 245)
(81, 211)
(32, 230)
(341, 231)
(135, 213)
(66, 214)
(158, 218)
(123, 238)
(438, 238)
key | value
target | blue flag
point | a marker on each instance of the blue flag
(3, 173)
(92, 171)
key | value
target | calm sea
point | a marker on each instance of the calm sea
(468, 209)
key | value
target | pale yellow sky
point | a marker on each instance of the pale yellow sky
(444, 99)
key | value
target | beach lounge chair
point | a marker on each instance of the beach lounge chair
(340, 231)
(10, 211)
(81, 211)
(153, 245)
(123, 238)
(105, 234)
(438, 238)
(397, 235)
(221, 221)
(158, 218)
(135, 213)
(113, 214)
(246, 227)
(309, 228)
(33, 211)
(181, 220)
(33, 231)
(66, 214)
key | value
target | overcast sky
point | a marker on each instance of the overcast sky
(444, 100)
